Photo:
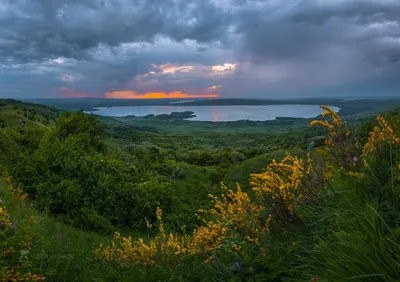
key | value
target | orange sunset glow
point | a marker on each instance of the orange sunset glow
(128, 94)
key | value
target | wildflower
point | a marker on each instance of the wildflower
(148, 224)
(356, 174)
(379, 136)
(1, 202)
(338, 141)
(18, 192)
(233, 219)
(14, 275)
(237, 265)
(4, 218)
(283, 182)
(355, 159)
(125, 250)
(159, 217)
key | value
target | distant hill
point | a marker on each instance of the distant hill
(17, 114)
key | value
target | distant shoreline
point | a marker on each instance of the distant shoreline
(214, 113)
(349, 106)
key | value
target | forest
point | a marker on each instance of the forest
(90, 198)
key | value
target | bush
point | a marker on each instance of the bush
(70, 175)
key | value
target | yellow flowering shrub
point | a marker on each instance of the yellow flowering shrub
(234, 220)
(345, 150)
(166, 248)
(14, 275)
(339, 146)
(17, 192)
(327, 173)
(335, 128)
(284, 183)
(380, 135)
(5, 222)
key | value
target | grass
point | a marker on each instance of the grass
(60, 252)
(355, 243)
(240, 172)
(8, 147)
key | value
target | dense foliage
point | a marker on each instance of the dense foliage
(69, 173)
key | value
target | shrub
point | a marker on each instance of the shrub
(70, 175)
(233, 222)
(340, 143)
(283, 186)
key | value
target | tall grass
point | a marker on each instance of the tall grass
(361, 247)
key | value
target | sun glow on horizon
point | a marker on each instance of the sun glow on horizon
(129, 94)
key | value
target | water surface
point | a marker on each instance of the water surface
(220, 113)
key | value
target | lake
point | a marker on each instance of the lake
(219, 113)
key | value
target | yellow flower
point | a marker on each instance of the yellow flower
(5, 222)
(148, 224)
(13, 275)
(379, 135)
(283, 181)
(233, 220)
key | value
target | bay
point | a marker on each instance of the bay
(219, 113)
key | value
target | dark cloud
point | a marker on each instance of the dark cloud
(286, 46)
(364, 11)
(323, 42)
(33, 30)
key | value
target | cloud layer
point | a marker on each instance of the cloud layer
(231, 48)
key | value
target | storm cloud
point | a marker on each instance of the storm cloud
(233, 48)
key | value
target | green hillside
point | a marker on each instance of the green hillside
(16, 114)
(84, 198)
(240, 173)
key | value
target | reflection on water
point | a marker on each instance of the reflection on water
(215, 114)
(220, 113)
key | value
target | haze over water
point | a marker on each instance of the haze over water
(219, 113)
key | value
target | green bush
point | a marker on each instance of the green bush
(70, 175)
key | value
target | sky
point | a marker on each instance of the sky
(199, 48)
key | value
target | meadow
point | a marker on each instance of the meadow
(88, 198)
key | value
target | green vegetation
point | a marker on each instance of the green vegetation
(328, 211)
(16, 114)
